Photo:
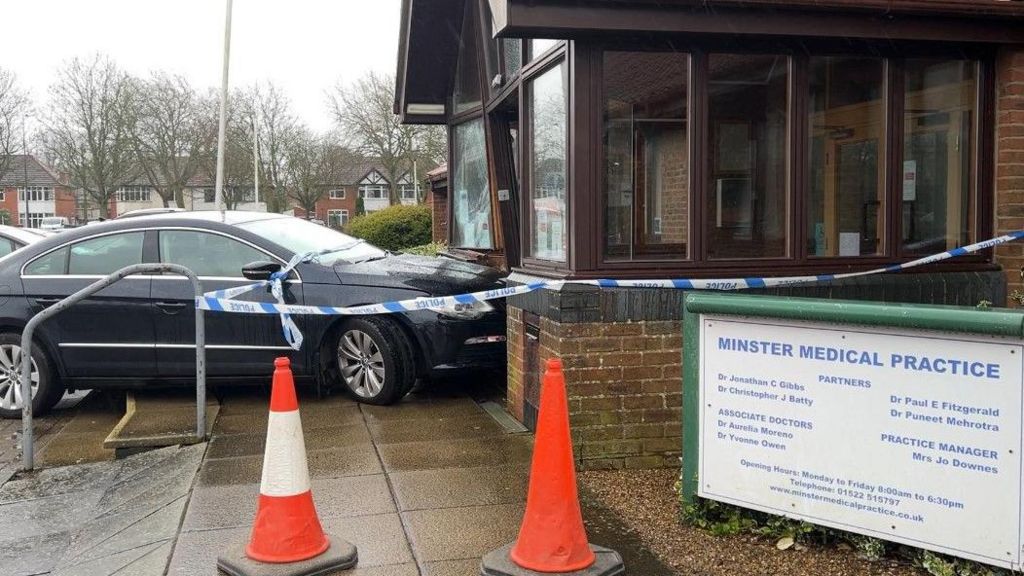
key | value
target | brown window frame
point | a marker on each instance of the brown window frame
(591, 188)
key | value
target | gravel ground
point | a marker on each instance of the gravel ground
(646, 502)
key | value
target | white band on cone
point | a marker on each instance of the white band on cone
(285, 472)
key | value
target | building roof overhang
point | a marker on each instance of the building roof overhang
(428, 46)
(989, 21)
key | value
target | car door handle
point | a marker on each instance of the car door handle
(44, 302)
(171, 307)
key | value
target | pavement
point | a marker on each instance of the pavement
(425, 487)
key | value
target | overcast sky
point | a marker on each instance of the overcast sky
(303, 45)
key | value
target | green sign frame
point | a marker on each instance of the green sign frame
(962, 319)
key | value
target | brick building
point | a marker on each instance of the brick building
(718, 139)
(437, 199)
(48, 194)
(364, 181)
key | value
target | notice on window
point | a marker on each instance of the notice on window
(909, 180)
(908, 436)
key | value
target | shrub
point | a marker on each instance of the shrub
(394, 228)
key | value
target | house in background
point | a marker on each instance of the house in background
(364, 181)
(48, 194)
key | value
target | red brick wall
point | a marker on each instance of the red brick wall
(624, 385)
(64, 203)
(1009, 151)
(438, 201)
(10, 203)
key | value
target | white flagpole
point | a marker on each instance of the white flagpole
(219, 190)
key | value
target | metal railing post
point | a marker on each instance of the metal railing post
(27, 437)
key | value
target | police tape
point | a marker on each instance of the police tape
(224, 300)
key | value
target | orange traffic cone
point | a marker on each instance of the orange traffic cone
(552, 538)
(287, 538)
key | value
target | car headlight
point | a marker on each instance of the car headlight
(469, 311)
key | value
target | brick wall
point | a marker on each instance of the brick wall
(10, 203)
(622, 354)
(623, 382)
(1009, 176)
(437, 197)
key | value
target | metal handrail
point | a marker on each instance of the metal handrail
(28, 448)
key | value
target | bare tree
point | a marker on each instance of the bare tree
(14, 104)
(313, 164)
(172, 136)
(89, 127)
(364, 112)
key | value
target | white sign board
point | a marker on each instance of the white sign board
(908, 436)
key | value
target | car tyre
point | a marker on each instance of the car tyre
(374, 360)
(47, 390)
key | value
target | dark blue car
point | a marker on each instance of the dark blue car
(140, 331)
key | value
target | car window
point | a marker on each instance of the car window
(207, 254)
(52, 263)
(6, 247)
(105, 254)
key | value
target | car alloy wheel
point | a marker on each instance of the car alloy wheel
(361, 363)
(10, 377)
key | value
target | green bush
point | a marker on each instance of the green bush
(394, 228)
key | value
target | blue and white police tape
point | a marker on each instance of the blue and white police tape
(224, 300)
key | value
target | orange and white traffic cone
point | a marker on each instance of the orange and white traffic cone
(552, 538)
(287, 539)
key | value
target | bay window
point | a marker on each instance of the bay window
(547, 155)
(798, 156)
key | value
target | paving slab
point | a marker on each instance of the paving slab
(143, 560)
(462, 533)
(55, 481)
(379, 539)
(453, 487)
(313, 417)
(33, 554)
(413, 430)
(315, 439)
(413, 409)
(355, 460)
(470, 567)
(489, 451)
(233, 506)
(111, 534)
(47, 515)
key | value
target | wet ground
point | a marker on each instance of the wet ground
(424, 487)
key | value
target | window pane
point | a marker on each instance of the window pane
(207, 254)
(938, 154)
(471, 199)
(52, 263)
(106, 254)
(6, 247)
(538, 46)
(547, 164)
(647, 191)
(467, 78)
(512, 54)
(747, 180)
(846, 203)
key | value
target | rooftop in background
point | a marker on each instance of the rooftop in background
(38, 173)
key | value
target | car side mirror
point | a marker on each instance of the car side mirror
(260, 270)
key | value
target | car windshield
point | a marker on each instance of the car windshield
(301, 236)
